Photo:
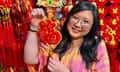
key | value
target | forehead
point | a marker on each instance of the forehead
(85, 14)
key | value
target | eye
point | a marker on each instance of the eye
(85, 22)
(75, 17)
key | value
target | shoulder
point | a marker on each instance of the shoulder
(102, 55)
(101, 49)
(101, 45)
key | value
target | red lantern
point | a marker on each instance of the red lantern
(107, 37)
(102, 11)
(101, 2)
(113, 44)
(113, 22)
(117, 37)
(103, 24)
(114, 10)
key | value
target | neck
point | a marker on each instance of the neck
(76, 43)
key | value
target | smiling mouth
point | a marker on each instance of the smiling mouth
(76, 30)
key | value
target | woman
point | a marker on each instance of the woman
(81, 48)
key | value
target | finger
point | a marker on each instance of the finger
(44, 45)
(52, 61)
(57, 59)
(42, 12)
(51, 65)
(38, 11)
(44, 49)
(34, 12)
(50, 68)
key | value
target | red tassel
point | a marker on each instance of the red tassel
(1, 44)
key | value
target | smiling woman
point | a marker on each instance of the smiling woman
(80, 23)
(81, 48)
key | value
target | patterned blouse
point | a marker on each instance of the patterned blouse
(73, 60)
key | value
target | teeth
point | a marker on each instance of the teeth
(75, 30)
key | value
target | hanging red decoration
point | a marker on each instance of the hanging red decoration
(101, 2)
(48, 32)
(102, 11)
(1, 43)
(113, 44)
(67, 7)
(114, 1)
(107, 37)
(117, 37)
(113, 22)
(114, 10)
(103, 24)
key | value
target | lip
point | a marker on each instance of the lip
(75, 30)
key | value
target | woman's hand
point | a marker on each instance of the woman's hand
(56, 66)
(37, 14)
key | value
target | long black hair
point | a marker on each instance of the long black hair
(90, 43)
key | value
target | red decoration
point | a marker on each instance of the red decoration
(117, 37)
(2, 3)
(113, 44)
(114, 1)
(6, 3)
(107, 37)
(103, 24)
(102, 11)
(101, 2)
(48, 33)
(113, 22)
(54, 38)
(114, 10)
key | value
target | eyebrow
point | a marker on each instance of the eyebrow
(86, 18)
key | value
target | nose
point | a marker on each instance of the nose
(78, 24)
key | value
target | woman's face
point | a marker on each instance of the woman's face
(80, 24)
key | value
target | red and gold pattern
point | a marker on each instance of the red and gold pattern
(101, 2)
(114, 10)
(102, 11)
(48, 32)
(14, 15)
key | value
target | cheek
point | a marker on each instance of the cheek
(88, 29)
(69, 26)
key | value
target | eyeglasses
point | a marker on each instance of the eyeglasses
(76, 20)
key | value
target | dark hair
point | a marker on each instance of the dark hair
(90, 43)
